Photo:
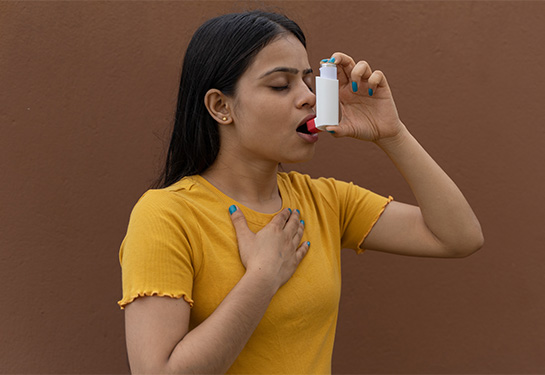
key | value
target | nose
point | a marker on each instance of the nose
(306, 97)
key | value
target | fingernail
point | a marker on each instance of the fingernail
(370, 92)
(308, 243)
(354, 87)
(302, 222)
(325, 60)
(332, 60)
(331, 131)
(289, 209)
(232, 209)
(299, 212)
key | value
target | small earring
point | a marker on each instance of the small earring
(224, 118)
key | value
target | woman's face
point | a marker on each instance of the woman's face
(273, 98)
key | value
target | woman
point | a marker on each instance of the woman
(234, 266)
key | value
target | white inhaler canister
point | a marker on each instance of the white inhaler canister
(327, 99)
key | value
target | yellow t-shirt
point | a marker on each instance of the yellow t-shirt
(181, 243)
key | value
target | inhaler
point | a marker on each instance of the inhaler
(327, 99)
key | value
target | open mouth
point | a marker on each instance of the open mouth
(303, 129)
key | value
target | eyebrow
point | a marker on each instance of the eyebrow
(287, 70)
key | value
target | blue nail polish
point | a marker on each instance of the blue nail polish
(299, 212)
(332, 60)
(308, 243)
(331, 131)
(232, 209)
(325, 60)
(354, 87)
(289, 209)
(302, 222)
(370, 92)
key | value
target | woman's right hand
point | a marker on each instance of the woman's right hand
(274, 252)
(158, 335)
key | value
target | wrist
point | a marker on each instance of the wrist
(261, 280)
(395, 141)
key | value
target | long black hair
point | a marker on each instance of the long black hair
(218, 54)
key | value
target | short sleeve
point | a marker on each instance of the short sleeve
(156, 256)
(359, 211)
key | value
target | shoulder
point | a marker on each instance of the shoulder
(166, 201)
(335, 193)
(323, 186)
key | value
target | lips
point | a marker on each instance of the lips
(304, 133)
(302, 128)
(310, 138)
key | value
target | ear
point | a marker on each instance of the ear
(217, 105)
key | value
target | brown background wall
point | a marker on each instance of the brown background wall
(87, 91)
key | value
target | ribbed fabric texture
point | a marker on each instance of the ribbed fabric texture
(181, 243)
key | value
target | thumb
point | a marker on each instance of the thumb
(239, 222)
(337, 131)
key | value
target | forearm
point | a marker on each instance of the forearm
(214, 345)
(445, 210)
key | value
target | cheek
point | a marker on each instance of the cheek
(262, 114)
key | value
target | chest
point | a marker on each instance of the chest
(314, 287)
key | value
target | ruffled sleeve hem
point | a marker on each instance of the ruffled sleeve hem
(360, 250)
(128, 299)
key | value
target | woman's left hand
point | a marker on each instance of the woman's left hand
(367, 106)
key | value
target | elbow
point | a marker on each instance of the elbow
(476, 241)
(469, 248)
(469, 244)
(479, 242)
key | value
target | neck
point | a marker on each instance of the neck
(252, 184)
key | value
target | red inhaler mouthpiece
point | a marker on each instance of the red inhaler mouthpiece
(311, 126)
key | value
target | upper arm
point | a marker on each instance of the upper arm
(153, 327)
(401, 230)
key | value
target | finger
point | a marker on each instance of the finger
(376, 81)
(302, 251)
(345, 64)
(239, 222)
(293, 222)
(361, 72)
(298, 235)
(281, 218)
(339, 131)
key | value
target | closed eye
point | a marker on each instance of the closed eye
(280, 88)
